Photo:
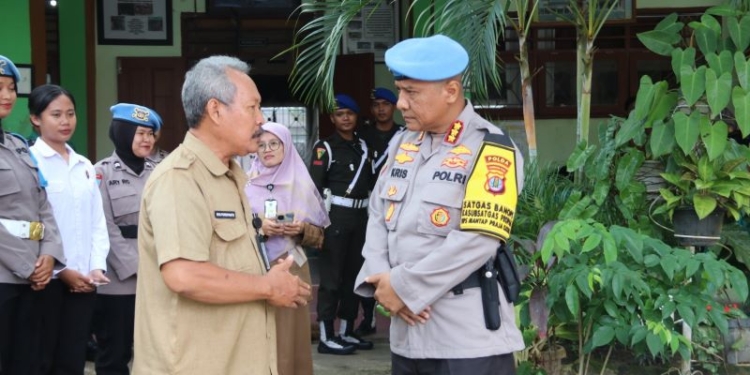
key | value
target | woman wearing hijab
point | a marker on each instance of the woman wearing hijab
(122, 177)
(30, 245)
(281, 192)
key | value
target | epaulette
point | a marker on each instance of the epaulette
(20, 137)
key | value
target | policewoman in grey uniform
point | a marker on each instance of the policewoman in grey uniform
(30, 244)
(418, 262)
(341, 170)
(122, 177)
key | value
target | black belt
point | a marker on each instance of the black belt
(471, 282)
(129, 231)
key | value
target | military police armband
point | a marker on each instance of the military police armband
(489, 204)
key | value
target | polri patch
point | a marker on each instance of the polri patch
(225, 214)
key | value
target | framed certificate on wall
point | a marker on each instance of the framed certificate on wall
(137, 22)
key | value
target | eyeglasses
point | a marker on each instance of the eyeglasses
(270, 146)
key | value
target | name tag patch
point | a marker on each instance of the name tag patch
(225, 214)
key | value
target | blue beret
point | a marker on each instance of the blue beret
(344, 101)
(7, 68)
(427, 59)
(136, 114)
(384, 94)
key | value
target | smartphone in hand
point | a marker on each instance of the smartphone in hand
(286, 218)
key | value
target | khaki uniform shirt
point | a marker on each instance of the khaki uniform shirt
(195, 208)
(21, 198)
(413, 233)
(121, 190)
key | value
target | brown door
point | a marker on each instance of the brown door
(155, 82)
(354, 76)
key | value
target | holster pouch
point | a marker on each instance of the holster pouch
(507, 273)
(490, 296)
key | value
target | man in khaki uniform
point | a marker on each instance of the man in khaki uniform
(204, 301)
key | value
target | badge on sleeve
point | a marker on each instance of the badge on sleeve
(489, 205)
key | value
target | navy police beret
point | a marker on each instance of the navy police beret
(344, 101)
(136, 114)
(7, 68)
(384, 94)
(427, 59)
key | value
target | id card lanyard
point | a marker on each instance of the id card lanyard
(270, 205)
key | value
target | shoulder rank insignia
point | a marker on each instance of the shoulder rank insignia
(454, 133)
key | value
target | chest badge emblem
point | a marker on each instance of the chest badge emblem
(409, 147)
(403, 158)
(440, 217)
(460, 150)
(392, 191)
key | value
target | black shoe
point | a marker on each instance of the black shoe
(365, 329)
(357, 341)
(336, 346)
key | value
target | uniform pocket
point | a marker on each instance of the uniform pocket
(440, 209)
(8, 181)
(124, 200)
(226, 250)
(393, 193)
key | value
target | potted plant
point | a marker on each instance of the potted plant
(706, 172)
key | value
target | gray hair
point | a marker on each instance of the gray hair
(208, 80)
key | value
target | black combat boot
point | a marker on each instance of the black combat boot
(345, 331)
(331, 344)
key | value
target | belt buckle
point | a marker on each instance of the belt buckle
(36, 230)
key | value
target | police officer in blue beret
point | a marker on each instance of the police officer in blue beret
(341, 171)
(420, 264)
(30, 243)
(122, 178)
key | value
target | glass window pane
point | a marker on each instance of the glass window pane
(509, 95)
(605, 82)
(560, 84)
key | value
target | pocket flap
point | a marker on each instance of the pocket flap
(230, 230)
(120, 191)
(445, 194)
(394, 190)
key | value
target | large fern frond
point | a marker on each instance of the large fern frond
(478, 25)
(316, 46)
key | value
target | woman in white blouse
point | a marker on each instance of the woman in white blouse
(77, 204)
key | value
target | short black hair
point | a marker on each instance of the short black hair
(43, 95)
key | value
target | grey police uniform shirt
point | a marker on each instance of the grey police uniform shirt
(121, 190)
(426, 255)
(21, 198)
(157, 156)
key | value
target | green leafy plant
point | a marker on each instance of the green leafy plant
(704, 168)
(635, 296)
(615, 282)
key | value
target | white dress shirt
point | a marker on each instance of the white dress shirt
(77, 204)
